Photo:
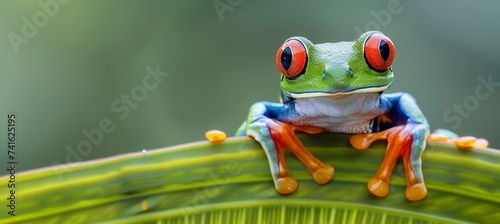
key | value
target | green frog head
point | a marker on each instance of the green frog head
(335, 69)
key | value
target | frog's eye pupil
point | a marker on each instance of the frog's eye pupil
(286, 58)
(384, 50)
(291, 58)
(379, 52)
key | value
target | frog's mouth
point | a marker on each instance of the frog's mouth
(374, 89)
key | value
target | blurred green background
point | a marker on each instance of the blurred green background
(64, 78)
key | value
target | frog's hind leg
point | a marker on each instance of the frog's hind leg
(274, 136)
(284, 136)
(283, 181)
(407, 141)
(378, 185)
(415, 189)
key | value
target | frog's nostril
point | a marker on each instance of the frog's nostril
(350, 72)
(324, 73)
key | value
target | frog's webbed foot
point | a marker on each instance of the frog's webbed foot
(283, 135)
(463, 143)
(407, 141)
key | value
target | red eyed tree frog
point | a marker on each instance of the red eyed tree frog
(338, 87)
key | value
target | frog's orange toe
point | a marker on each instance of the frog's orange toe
(469, 142)
(286, 185)
(324, 174)
(438, 137)
(360, 141)
(416, 192)
(465, 142)
(481, 143)
(378, 187)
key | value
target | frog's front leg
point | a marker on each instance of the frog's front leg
(406, 138)
(264, 125)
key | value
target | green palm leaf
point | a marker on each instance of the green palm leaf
(229, 182)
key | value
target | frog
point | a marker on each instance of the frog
(340, 88)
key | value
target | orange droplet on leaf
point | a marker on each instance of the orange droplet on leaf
(215, 136)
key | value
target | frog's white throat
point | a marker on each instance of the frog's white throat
(376, 89)
(350, 114)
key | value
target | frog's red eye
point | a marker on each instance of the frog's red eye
(291, 58)
(379, 52)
